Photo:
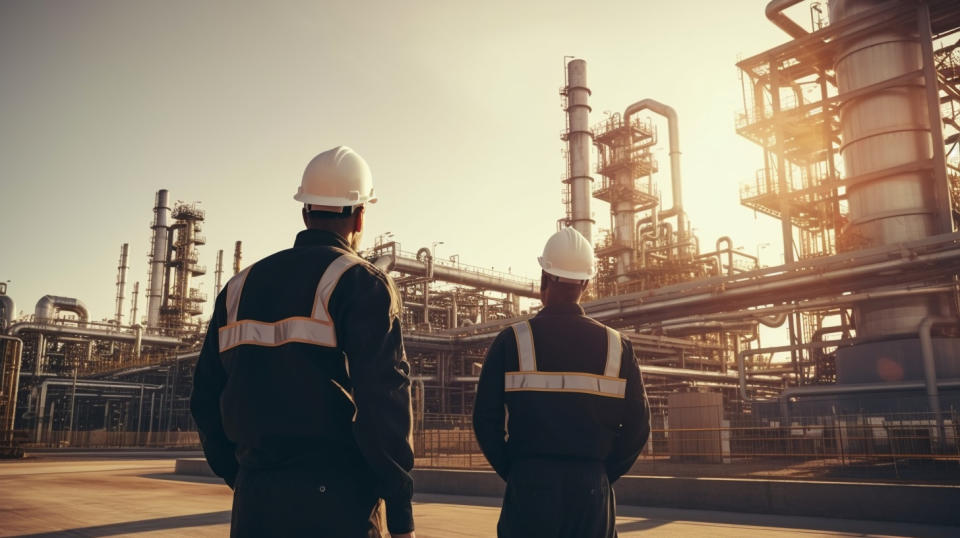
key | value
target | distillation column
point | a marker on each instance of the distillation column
(579, 140)
(883, 130)
(158, 258)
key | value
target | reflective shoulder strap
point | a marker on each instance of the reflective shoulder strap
(234, 289)
(614, 352)
(328, 282)
(525, 352)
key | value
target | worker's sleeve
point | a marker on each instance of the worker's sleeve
(380, 375)
(635, 421)
(209, 379)
(489, 411)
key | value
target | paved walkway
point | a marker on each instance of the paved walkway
(91, 495)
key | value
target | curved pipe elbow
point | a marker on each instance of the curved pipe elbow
(774, 12)
(48, 305)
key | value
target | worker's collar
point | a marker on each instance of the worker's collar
(564, 309)
(321, 238)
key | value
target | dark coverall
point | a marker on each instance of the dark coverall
(562, 427)
(302, 395)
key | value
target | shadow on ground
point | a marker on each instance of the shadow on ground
(143, 525)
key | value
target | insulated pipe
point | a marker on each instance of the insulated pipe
(48, 305)
(92, 333)
(675, 176)
(930, 368)
(456, 275)
(774, 13)
(7, 311)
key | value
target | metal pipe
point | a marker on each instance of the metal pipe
(674, 136)
(775, 15)
(158, 258)
(930, 368)
(729, 251)
(48, 305)
(456, 275)
(742, 369)
(42, 328)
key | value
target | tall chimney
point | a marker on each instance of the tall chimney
(121, 282)
(579, 140)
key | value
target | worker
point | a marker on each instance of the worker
(561, 411)
(301, 392)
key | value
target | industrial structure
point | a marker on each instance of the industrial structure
(857, 121)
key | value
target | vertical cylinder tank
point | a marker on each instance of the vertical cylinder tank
(579, 140)
(158, 258)
(881, 130)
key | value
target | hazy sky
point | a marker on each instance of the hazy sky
(454, 104)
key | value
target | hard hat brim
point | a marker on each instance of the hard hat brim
(572, 275)
(332, 200)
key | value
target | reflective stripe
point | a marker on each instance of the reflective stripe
(328, 282)
(290, 330)
(611, 387)
(234, 287)
(614, 351)
(525, 353)
(316, 330)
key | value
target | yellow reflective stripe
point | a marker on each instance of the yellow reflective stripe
(614, 352)
(610, 387)
(526, 355)
(286, 331)
(234, 288)
(328, 282)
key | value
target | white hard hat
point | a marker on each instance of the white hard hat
(335, 179)
(568, 255)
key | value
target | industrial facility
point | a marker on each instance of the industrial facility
(856, 119)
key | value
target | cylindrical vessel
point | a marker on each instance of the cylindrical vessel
(121, 282)
(579, 140)
(158, 258)
(882, 130)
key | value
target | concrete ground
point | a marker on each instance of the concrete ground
(97, 493)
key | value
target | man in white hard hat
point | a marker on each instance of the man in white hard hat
(302, 393)
(561, 411)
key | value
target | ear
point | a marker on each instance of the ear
(358, 221)
(306, 217)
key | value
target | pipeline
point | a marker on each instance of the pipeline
(674, 136)
(48, 305)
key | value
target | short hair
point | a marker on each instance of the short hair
(564, 292)
(345, 212)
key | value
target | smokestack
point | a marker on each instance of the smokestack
(219, 272)
(158, 258)
(236, 258)
(579, 140)
(133, 305)
(121, 282)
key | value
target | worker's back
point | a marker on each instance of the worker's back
(299, 392)
(579, 422)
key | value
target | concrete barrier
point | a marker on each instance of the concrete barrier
(914, 503)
